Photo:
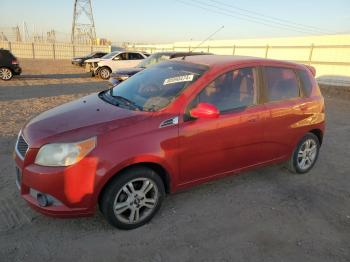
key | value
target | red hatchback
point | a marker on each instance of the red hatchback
(174, 125)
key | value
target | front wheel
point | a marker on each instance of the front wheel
(305, 154)
(5, 73)
(132, 198)
(104, 73)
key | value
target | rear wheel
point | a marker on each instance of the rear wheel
(104, 73)
(5, 73)
(305, 154)
(133, 198)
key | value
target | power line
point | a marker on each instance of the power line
(243, 17)
(272, 18)
(260, 19)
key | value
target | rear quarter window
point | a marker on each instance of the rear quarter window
(281, 84)
(305, 82)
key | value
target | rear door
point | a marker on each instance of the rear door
(231, 142)
(119, 61)
(5, 58)
(135, 58)
(282, 95)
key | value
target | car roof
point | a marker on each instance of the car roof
(231, 60)
(181, 53)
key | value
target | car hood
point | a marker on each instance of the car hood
(92, 60)
(128, 71)
(77, 120)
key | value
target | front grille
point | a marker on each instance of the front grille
(21, 146)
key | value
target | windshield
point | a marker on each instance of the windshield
(91, 54)
(110, 55)
(153, 59)
(154, 88)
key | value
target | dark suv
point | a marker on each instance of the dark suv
(8, 65)
(80, 61)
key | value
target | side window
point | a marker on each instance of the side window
(122, 56)
(306, 82)
(281, 83)
(135, 56)
(231, 90)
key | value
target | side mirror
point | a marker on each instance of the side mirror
(205, 110)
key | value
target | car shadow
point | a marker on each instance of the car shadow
(50, 90)
(54, 76)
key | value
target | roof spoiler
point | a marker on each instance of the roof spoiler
(312, 69)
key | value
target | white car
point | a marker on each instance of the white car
(105, 65)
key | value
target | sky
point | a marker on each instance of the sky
(162, 21)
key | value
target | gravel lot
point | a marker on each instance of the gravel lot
(265, 215)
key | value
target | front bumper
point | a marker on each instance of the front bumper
(75, 62)
(72, 187)
(17, 70)
(91, 67)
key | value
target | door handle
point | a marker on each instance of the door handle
(303, 107)
(252, 119)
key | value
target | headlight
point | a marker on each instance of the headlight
(64, 154)
(122, 77)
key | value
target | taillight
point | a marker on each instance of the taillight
(14, 62)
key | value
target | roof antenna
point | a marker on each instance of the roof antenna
(206, 39)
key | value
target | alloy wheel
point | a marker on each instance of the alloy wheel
(136, 200)
(104, 73)
(307, 154)
(5, 74)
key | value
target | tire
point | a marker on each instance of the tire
(104, 73)
(305, 152)
(135, 207)
(5, 73)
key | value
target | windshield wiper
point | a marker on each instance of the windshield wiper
(126, 101)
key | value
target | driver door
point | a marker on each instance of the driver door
(231, 142)
(120, 61)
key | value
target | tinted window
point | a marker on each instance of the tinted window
(231, 90)
(281, 83)
(122, 56)
(135, 56)
(306, 82)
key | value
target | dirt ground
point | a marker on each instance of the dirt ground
(264, 215)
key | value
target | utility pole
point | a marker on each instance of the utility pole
(17, 34)
(83, 26)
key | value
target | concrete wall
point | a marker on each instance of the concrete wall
(50, 51)
(329, 54)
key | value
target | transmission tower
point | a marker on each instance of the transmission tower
(83, 28)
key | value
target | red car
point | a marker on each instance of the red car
(174, 125)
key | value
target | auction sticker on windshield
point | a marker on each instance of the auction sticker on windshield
(178, 79)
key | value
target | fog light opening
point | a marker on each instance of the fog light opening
(43, 200)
